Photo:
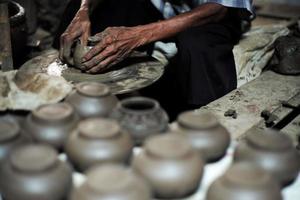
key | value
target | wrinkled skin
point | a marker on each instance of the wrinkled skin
(117, 43)
(79, 28)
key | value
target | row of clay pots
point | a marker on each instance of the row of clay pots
(264, 162)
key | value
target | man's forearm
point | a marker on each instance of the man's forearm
(206, 13)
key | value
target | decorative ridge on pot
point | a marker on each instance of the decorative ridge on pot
(244, 181)
(142, 117)
(111, 181)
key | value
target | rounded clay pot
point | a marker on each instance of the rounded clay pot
(33, 172)
(98, 141)
(141, 117)
(11, 137)
(51, 124)
(92, 99)
(205, 134)
(273, 151)
(244, 181)
(112, 182)
(79, 51)
(171, 166)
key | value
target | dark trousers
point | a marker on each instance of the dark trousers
(202, 70)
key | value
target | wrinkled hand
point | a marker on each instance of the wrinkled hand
(78, 28)
(115, 44)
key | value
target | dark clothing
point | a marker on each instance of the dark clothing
(202, 70)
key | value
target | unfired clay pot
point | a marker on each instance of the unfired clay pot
(112, 182)
(244, 181)
(204, 133)
(141, 117)
(11, 137)
(273, 151)
(80, 51)
(33, 172)
(92, 99)
(98, 141)
(170, 165)
(51, 123)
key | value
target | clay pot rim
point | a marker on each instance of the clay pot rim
(260, 140)
(18, 157)
(105, 89)
(153, 105)
(150, 146)
(19, 16)
(113, 129)
(12, 133)
(188, 120)
(40, 118)
(126, 178)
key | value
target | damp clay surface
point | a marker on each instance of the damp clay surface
(27, 91)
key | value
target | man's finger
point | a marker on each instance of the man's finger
(94, 51)
(99, 58)
(103, 65)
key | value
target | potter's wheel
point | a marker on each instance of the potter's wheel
(135, 73)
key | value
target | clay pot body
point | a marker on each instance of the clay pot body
(92, 99)
(272, 151)
(11, 137)
(141, 117)
(170, 165)
(98, 141)
(244, 181)
(51, 124)
(79, 51)
(33, 172)
(112, 182)
(205, 134)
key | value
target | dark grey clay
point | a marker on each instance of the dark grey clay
(92, 99)
(205, 134)
(98, 141)
(33, 172)
(51, 124)
(170, 165)
(11, 137)
(273, 151)
(244, 181)
(79, 51)
(112, 182)
(141, 117)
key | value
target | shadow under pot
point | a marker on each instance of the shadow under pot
(273, 151)
(170, 165)
(92, 99)
(205, 134)
(98, 141)
(142, 117)
(11, 137)
(33, 172)
(51, 124)
(111, 182)
(244, 181)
